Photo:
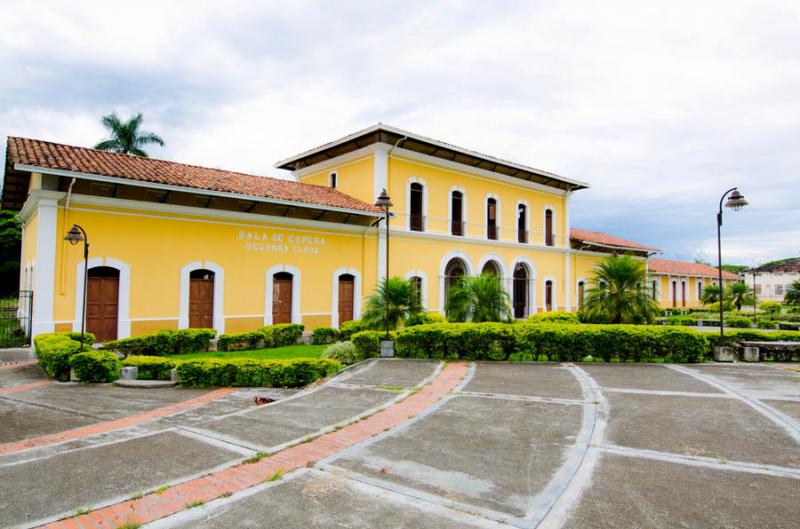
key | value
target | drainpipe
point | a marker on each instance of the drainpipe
(62, 278)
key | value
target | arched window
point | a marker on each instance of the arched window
(416, 289)
(491, 218)
(454, 270)
(520, 300)
(549, 239)
(674, 293)
(548, 295)
(491, 268)
(522, 223)
(683, 293)
(332, 180)
(457, 213)
(416, 220)
(699, 289)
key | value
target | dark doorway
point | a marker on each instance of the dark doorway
(417, 220)
(102, 303)
(346, 296)
(282, 298)
(548, 295)
(457, 208)
(520, 291)
(201, 299)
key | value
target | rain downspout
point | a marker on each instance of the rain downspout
(62, 275)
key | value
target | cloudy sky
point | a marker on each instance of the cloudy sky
(660, 107)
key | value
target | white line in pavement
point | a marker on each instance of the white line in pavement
(669, 393)
(523, 398)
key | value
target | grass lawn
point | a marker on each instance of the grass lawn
(290, 351)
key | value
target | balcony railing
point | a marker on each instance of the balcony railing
(457, 227)
(416, 222)
(491, 231)
(522, 236)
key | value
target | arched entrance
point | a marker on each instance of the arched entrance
(201, 299)
(455, 269)
(282, 298)
(347, 284)
(102, 303)
(491, 268)
(520, 291)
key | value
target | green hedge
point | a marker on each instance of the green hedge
(368, 343)
(324, 335)
(282, 334)
(245, 372)
(424, 318)
(54, 351)
(739, 323)
(344, 352)
(165, 342)
(556, 316)
(349, 328)
(96, 366)
(151, 367)
(241, 341)
(470, 341)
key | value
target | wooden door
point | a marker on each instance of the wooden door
(346, 296)
(674, 294)
(102, 306)
(683, 294)
(520, 292)
(282, 298)
(201, 303)
(548, 295)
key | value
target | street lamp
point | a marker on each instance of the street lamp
(384, 202)
(736, 202)
(75, 235)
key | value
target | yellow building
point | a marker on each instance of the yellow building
(175, 246)
(679, 284)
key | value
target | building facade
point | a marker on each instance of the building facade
(771, 281)
(680, 284)
(176, 246)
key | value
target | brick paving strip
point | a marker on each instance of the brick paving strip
(21, 363)
(179, 497)
(23, 387)
(107, 426)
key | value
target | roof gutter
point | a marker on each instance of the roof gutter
(650, 251)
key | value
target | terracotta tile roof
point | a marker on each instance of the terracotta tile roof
(682, 268)
(605, 239)
(80, 159)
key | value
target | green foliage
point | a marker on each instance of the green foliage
(282, 334)
(368, 343)
(740, 294)
(164, 342)
(741, 323)
(477, 299)
(471, 341)
(685, 319)
(344, 352)
(324, 335)
(246, 372)
(10, 245)
(424, 318)
(710, 294)
(349, 328)
(617, 295)
(401, 299)
(96, 366)
(735, 269)
(151, 367)
(770, 307)
(241, 341)
(54, 351)
(88, 338)
(126, 136)
(557, 316)
(792, 295)
(521, 357)
(766, 324)
(727, 306)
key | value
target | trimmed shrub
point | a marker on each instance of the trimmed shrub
(521, 357)
(686, 320)
(151, 367)
(246, 372)
(88, 338)
(368, 343)
(770, 307)
(344, 352)
(470, 341)
(739, 323)
(241, 341)
(323, 335)
(766, 324)
(788, 326)
(54, 351)
(282, 334)
(164, 342)
(192, 340)
(349, 328)
(714, 307)
(558, 316)
(424, 318)
(96, 366)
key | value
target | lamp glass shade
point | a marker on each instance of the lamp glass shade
(74, 236)
(736, 201)
(384, 202)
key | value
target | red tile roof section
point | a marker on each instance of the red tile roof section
(598, 237)
(80, 159)
(682, 268)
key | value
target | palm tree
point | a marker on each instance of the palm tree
(401, 298)
(740, 294)
(617, 295)
(792, 296)
(126, 136)
(477, 299)
(710, 294)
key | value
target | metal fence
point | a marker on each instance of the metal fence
(16, 315)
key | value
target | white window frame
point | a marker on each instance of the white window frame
(552, 210)
(498, 217)
(544, 293)
(532, 306)
(420, 181)
(333, 179)
(219, 293)
(269, 280)
(463, 211)
(424, 277)
(527, 221)
(123, 301)
(357, 295)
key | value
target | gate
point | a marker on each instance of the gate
(16, 315)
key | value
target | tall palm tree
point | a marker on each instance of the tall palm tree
(477, 299)
(740, 294)
(792, 296)
(710, 294)
(617, 294)
(126, 136)
(402, 301)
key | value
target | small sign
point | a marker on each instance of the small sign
(297, 243)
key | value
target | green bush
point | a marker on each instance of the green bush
(424, 318)
(246, 372)
(344, 352)
(241, 341)
(685, 320)
(96, 366)
(766, 324)
(193, 340)
(323, 335)
(54, 351)
(521, 357)
(349, 328)
(282, 334)
(471, 341)
(770, 307)
(368, 343)
(752, 335)
(714, 307)
(788, 326)
(151, 367)
(740, 323)
(88, 338)
(164, 342)
(557, 316)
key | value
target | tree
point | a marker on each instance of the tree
(710, 294)
(126, 136)
(401, 298)
(792, 296)
(740, 294)
(10, 240)
(617, 294)
(477, 299)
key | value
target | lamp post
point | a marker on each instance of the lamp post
(75, 235)
(736, 202)
(384, 202)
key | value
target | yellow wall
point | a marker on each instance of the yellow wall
(354, 177)
(692, 299)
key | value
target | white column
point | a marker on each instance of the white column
(45, 267)
(567, 257)
(381, 182)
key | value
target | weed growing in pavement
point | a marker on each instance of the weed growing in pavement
(194, 504)
(129, 525)
(255, 458)
(138, 496)
(275, 477)
(81, 511)
(159, 490)
(226, 494)
(392, 388)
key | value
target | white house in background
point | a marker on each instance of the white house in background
(773, 279)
